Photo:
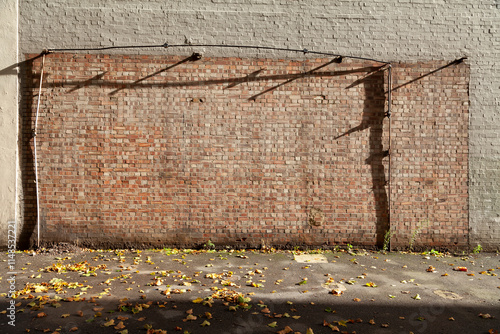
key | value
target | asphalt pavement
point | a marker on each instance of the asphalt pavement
(236, 291)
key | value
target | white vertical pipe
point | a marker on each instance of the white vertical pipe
(36, 158)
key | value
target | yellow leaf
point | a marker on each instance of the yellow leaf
(205, 323)
(65, 315)
(309, 331)
(198, 300)
(120, 325)
(109, 323)
(273, 324)
(296, 317)
(286, 330)
(342, 323)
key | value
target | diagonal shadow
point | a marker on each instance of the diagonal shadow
(230, 81)
(296, 77)
(135, 83)
(88, 82)
(12, 69)
(363, 79)
(455, 62)
(247, 78)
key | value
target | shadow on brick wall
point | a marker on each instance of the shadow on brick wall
(373, 120)
(30, 80)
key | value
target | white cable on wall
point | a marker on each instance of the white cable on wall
(36, 159)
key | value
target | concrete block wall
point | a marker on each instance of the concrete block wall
(8, 122)
(398, 31)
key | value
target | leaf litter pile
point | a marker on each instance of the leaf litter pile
(233, 291)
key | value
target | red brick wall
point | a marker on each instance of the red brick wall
(166, 150)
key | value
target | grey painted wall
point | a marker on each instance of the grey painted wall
(391, 30)
(8, 118)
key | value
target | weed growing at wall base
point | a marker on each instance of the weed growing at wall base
(416, 232)
(387, 240)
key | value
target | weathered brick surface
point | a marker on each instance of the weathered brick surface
(166, 150)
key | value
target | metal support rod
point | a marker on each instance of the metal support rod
(389, 189)
(36, 158)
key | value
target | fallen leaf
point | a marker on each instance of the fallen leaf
(120, 325)
(65, 315)
(109, 323)
(371, 284)
(273, 324)
(460, 268)
(309, 331)
(338, 289)
(41, 315)
(286, 330)
(485, 316)
(304, 281)
(416, 297)
(73, 329)
(356, 299)
(205, 323)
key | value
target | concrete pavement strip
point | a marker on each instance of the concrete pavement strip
(188, 291)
